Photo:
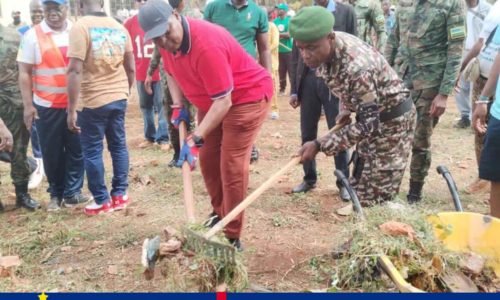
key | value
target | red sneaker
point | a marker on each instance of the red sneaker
(94, 209)
(120, 201)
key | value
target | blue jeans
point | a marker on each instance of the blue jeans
(106, 121)
(61, 152)
(463, 99)
(151, 104)
(35, 142)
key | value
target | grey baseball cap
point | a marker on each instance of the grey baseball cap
(153, 18)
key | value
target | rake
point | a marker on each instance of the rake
(208, 245)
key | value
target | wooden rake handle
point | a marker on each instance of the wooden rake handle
(256, 194)
(186, 178)
(251, 198)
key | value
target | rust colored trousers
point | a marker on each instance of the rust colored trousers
(225, 159)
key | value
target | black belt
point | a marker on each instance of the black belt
(396, 111)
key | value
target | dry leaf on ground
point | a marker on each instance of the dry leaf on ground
(394, 228)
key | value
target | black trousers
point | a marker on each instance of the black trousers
(61, 152)
(315, 94)
(284, 68)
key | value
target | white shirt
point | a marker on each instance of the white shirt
(487, 56)
(475, 17)
(491, 21)
(29, 50)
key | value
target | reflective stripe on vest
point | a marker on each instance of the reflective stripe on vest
(50, 72)
(49, 76)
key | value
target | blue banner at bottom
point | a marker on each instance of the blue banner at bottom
(238, 296)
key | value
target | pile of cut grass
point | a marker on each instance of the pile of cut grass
(192, 270)
(421, 261)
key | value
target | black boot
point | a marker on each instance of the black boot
(415, 192)
(23, 199)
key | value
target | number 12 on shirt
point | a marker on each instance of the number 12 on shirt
(146, 51)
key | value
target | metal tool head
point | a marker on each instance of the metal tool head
(217, 250)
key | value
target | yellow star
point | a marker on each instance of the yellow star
(42, 296)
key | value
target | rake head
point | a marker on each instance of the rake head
(217, 250)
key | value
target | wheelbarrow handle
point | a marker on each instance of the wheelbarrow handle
(354, 198)
(443, 170)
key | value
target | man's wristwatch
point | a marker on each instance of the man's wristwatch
(198, 140)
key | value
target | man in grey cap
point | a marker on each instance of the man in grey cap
(231, 91)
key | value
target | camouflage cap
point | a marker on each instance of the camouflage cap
(311, 24)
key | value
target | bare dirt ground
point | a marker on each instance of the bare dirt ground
(67, 251)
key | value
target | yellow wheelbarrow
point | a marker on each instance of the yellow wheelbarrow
(466, 231)
(460, 231)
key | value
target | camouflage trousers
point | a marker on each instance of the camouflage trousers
(172, 131)
(421, 152)
(12, 116)
(479, 138)
(382, 160)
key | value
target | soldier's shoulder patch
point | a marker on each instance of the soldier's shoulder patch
(457, 33)
(380, 19)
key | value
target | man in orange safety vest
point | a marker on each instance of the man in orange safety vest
(42, 79)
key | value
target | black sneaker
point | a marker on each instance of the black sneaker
(213, 219)
(236, 243)
(463, 123)
(303, 187)
(76, 199)
(54, 204)
(173, 162)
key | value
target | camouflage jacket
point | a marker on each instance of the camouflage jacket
(358, 75)
(154, 63)
(9, 86)
(370, 15)
(426, 45)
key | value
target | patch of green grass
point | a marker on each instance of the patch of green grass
(278, 220)
(314, 208)
(31, 246)
(127, 239)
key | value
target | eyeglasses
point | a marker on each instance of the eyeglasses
(141, 1)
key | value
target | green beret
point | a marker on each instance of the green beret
(311, 24)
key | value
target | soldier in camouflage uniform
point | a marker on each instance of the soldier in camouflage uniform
(370, 16)
(426, 51)
(186, 10)
(167, 106)
(11, 112)
(365, 84)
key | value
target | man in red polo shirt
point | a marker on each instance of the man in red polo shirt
(149, 103)
(229, 88)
